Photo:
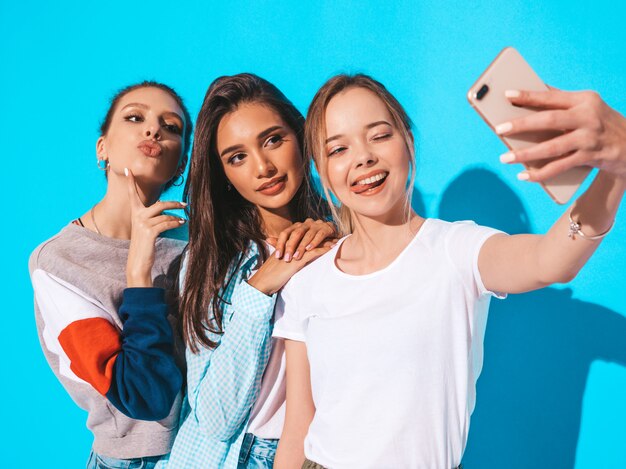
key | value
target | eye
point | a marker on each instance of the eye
(274, 141)
(134, 118)
(336, 151)
(173, 128)
(236, 158)
(382, 136)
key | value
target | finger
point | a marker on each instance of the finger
(164, 218)
(329, 242)
(551, 99)
(540, 121)
(293, 241)
(558, 146)
(315, 253)
(158, 207)
(282, 239)
(554, 168)
(320, 236)
(168, 225)
(305, 242)
(133, 192)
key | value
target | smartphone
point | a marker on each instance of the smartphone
(509, 71)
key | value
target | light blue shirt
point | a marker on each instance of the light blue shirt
(223, 383)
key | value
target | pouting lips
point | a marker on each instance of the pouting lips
(369, 183)
(149, 148)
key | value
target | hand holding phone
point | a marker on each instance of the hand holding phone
(509, 71)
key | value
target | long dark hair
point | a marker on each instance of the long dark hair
(221, 222)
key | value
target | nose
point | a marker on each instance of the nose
(152, 131)
(365, 157)
(265, 167)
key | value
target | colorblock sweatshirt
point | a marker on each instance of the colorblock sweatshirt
(112, 347)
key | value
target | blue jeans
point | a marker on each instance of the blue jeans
(257, 453)
(98, 461)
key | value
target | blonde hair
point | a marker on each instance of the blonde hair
(315, 136)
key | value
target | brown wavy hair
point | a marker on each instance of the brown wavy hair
(315, 136)
(221, 222)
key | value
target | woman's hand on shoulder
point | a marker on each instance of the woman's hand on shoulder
(595, 134)
(295, 241)
(147, 224)
(275, 273)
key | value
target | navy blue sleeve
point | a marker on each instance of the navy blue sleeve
(145, 379)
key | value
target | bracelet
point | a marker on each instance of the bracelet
(574, 229)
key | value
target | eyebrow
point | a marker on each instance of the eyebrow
(261, 136)
(368, 126)
(143, 106)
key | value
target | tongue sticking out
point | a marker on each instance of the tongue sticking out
(361, 188)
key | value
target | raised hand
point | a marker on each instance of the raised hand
(299, 238)
(147, 224)
(595, 134)
(275, 273)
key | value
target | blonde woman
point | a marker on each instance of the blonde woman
(382, 367)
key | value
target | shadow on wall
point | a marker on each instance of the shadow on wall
(538, 350)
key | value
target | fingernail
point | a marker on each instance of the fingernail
(287, 257)
(309, 247)
(503, 128)
(523, 176)
(296, 255)
(507, 157)
(126, 171)
(277, 254)
(512, 93)
(184, 204)
(181, 221)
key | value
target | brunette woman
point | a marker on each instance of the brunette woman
(103, 285)
(249, 188)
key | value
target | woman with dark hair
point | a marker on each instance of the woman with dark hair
(248, 183)
(104, 285)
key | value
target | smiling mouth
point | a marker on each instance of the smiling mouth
(367, 185)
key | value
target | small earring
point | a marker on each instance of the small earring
(182, 179)
(228, 186)
(106, 164)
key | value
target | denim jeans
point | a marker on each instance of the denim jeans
(257, 453)
(98, 461)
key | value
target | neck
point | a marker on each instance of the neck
(374, 238)
(275, 220)
(112, 214)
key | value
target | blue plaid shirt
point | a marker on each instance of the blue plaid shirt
(223, 383)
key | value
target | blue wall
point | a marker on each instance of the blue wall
(552, 390)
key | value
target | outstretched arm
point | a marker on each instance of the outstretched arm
(520, 263)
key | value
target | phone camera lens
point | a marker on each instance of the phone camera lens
(482, 92)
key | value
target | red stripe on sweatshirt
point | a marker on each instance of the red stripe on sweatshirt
(92, 346)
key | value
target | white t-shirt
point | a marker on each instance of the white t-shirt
(268, 413)
(394, 354)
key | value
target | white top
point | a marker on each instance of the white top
(394, 354)
(268, 413)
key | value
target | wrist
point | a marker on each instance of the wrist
(616, 180)
(258, 283)
(138, 281)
